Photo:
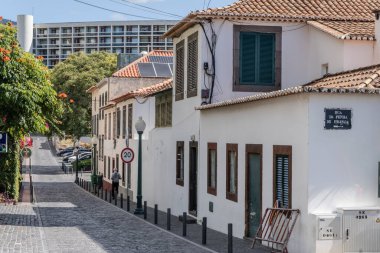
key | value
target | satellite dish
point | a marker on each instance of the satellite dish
(144, 53)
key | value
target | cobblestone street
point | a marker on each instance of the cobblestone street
(67, 219)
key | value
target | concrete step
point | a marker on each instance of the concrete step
(189, 219)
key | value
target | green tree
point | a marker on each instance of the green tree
(28, 103)
(73, 77)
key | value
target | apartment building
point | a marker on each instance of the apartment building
(56, 41)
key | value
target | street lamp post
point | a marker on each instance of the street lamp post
(94, 143)
(76, 152)
(94, 169)
(140, 127)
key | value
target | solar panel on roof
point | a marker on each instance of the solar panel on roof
(162, 70)
(146, 69)
(160, 59)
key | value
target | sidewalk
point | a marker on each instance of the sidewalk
(215, 240)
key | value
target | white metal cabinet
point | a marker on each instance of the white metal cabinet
(361, 230)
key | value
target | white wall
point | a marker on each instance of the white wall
(304, 50)
(343, 164)
(281, 121)
(358, 54)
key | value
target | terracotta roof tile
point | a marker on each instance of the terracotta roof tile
(290, 11)
(363, 80)
(146, 91)
(132, 70)
(299, 9)
(352, 30)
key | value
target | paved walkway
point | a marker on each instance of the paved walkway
(68, 219)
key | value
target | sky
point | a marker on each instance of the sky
(51, 11)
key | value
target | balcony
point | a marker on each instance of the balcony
(105, 33)
(106, 44)
(131, 43)
(66, 34)
(92, 33)
(66, 45)
(41, 34)
(118, 44)
(79, 34)
(131, 32)
(42, 46)
(53, 34)
(79, 44)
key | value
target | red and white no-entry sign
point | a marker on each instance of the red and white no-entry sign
(127, 155)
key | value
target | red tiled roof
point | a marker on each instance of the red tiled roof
(363, 80)
(287, 11)
(132, 70)
(146, 91)
(352, 30)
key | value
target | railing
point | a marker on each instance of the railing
(276, 227)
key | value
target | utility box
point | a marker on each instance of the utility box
(361, 229)
(329, 227)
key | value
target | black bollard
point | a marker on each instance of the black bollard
(98, 193)
(102, 193)
(184, 221)
(229, 237)
(128, 203)
(105, 195)
(155, 213)
(116, 200)
(110, 200)
(168, 217)
(204, 230)
(121, 200)
(145, 210)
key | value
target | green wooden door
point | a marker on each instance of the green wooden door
(254, 193)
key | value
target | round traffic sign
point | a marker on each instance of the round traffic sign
(127, 155)
(26, 152)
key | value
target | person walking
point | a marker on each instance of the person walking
(115, 182)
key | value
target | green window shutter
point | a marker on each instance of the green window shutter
(266, 59)
(247, 57)
(257, 58)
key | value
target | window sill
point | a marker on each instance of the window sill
(179, 181)
(211, 190)
(231, 196)
(255, 88)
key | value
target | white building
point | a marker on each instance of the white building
(270, 88)
(56, 41)
(118, 101)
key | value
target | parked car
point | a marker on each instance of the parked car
(65, 151)
(70, 150)
(81, 156)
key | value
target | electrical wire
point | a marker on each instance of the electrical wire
(208, 5)
(119, 12)
(140, 8)
(150, 8)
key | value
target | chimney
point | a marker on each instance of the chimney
(377, 37)
(25, 31)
